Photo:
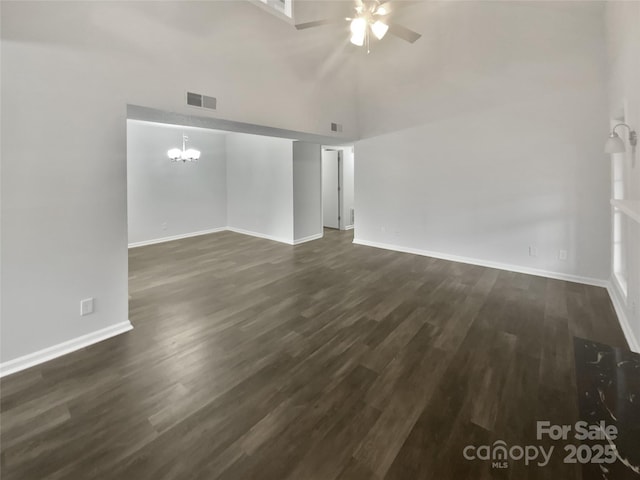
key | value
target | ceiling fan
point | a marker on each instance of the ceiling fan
(371, 18)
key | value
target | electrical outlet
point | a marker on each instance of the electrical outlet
(533, 252)
(86, 306)
(562, 255)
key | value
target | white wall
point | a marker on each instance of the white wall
(260, 185)
(623, 41)
(307, 191)
(167, 199)
(488, 138)
(68, 70)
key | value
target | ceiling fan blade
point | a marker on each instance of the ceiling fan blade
(319, 23)
(403, 32)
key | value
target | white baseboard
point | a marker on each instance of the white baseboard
(485, 263)
(46, 354)
(348, 227)
(625, 324)
(222, 229)
(308, 239)
(176, 237)
(260, 235)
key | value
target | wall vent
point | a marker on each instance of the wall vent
(209, 102)
(194, 99)
(336, 127)
(201, 101)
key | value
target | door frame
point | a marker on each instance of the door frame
(340, 189)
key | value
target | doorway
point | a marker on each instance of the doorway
(338, 187)
(331, 188)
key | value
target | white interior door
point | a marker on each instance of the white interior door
(330, 191)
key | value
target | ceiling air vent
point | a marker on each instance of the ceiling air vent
(201, 101)
(336, 127)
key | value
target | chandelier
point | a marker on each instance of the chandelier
(184, 155)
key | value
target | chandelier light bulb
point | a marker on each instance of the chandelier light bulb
(174, 153)
(191, 154)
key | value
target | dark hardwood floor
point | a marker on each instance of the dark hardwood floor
(256, 360)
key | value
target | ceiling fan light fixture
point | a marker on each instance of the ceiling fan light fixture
(358, 31)
(369, 21)
(379, 29)
(358, 27)
(357, 39)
